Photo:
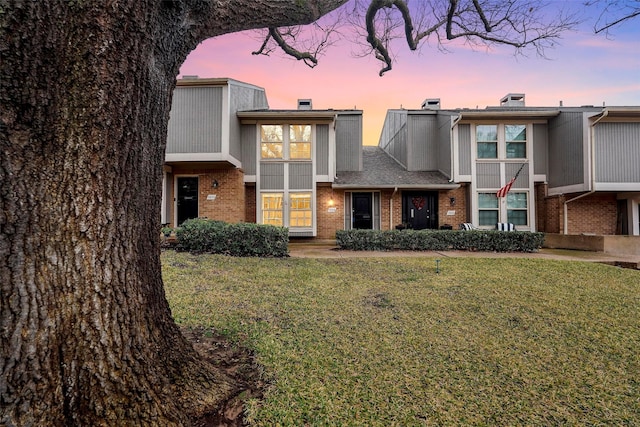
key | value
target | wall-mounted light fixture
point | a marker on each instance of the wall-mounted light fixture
(452, 201)
(214, 183)
(331, 202)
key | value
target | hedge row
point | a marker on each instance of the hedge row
(439, 240)
(242, 239)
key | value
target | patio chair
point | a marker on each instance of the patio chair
(505, 226)
(467, 226)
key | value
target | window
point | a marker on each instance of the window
(487, 209)
(271, 141)
(516, 141)
(300, 214)
(487, 141)
(517, 208)
(300, 142)
(272, 209)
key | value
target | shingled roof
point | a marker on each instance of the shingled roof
(381, 171)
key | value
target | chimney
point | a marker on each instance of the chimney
(431, 104)
(305, 104)
(512, 100)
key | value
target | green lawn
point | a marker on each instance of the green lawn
(388, 342)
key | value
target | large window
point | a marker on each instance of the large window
(487, 141)
(272, 209)
(292, 145)
(300, 214)
(517, 208)
(271, 141)
(488, 213)
(516, 141)
(300, 142)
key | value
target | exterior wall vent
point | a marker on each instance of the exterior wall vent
(305, 104)
(512, 100)
(431, 104)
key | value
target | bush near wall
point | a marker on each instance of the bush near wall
(439, 240)
(242, 239)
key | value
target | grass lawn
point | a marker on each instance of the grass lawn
(388, 342)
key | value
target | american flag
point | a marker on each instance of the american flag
(504, 190)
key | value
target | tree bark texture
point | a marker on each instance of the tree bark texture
(86, 333)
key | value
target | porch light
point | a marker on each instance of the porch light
(331, 202)
(214, 183)
(452, 201)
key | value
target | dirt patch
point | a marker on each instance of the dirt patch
(239, 364)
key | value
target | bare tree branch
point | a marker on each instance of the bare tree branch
(614, 13)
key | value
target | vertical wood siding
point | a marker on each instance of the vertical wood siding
(464, 149)
(540, 149)
(322, 149)
(272, 176)
(393, 138)
(248, 137)
(566, 152)
(195, 122)
(423, 138)
(510, 170)
(488, 175)
(444, 145)
(301, 176)
(617, 152)
(349, 142)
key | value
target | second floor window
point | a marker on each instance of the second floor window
(516, 141)
(276, 143)
(487, 140)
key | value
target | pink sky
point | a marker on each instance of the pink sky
(586, 69)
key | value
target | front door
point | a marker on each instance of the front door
(420, 209)
(187, 198)
(362, 211)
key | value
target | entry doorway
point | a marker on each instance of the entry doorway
(362, 211)
(186, 198)
(420, 209)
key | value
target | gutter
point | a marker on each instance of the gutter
(592, 148)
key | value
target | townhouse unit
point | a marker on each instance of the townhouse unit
(572, 170)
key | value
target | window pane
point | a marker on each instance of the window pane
(300, 150)
(486, 133)
(300, 133)
(487, 201)
(516, 150)
(516, 200)
(518, 217)
(487, 150)
(271, 133)
(515, 133)
(271, 139)
(488, 217)
(300, 214)
(272, 209)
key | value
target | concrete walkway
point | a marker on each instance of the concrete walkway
(328, 249)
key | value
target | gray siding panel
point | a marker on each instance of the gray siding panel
(394, 136)
(241, 98)
(464, 149)
(195, 122)
(300, 176)
(488, 175)
(444, 145)
(272, 176)
(540, 149)
(511, 169)
(322, 149)
(248, 140)
(423, 138)
(349, 142)
(617, 152)
(566, 153)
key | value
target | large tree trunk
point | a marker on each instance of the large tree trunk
(86, 333)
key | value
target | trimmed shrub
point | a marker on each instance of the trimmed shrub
(242, 239)
(439, 240)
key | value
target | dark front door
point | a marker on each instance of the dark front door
(187, 198)
(420, 209)
(362, 211)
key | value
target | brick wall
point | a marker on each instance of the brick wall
(593, 214)
(458, 208)
(330, 211)
(228, 199)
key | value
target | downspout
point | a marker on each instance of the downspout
(453, 161)
(395, 190)
(592, 148)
